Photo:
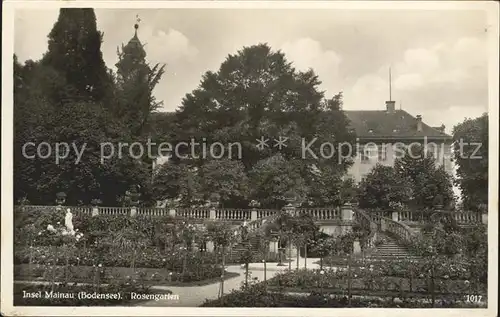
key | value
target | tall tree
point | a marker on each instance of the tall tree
(75, 51)
(255, 94)
(471, 155)
(428, 182)
(258, 95)
(227, 179)
(275, 180)
(383, 188)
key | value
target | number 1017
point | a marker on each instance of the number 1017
(473, 298)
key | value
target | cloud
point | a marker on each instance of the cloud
(409, 82)
(307, 53)
(171, 46)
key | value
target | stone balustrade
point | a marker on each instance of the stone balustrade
(367, 222)
(193, 213)
(399, 229)
(420, 217)
(318, 214)
(322, 213)
(111, 210)
(232, 214)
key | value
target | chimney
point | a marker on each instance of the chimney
(419, 123)
(441, 128)
(391, 106)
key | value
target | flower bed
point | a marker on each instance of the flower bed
(147, 276)
(371, 279)
(47, 250)
(258, 296)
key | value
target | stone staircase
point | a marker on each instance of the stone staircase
(390, 249)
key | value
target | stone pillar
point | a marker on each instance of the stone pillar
(293, 253)
(395, 216)
(289, 209)
(347, 215)
(253, 214)
(133, 211)
(273, 246)
(210, 246)
(356, 247)
(212, 213)
(171, 213)
(383, 226)
(346, 212)
(95, 211)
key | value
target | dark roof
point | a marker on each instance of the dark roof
(383, 124)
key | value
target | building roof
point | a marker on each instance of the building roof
(384, 124)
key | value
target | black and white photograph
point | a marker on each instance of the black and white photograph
(276, 156)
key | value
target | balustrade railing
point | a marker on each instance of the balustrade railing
(264, 213)
(399, 229)
(461, 217)
(153, 212)
(112, 210)
(193, 213)
(366, 222)
(322, 213)
(77, 210)
(232, 214)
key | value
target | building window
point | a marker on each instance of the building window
(367, 153)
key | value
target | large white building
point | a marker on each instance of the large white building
(383, 135)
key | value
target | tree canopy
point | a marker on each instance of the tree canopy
(471, 155)
(258, 95)
(69, 97)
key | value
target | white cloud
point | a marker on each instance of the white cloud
(422, 60)
(409, 82)
(308, 53)
(168, 47)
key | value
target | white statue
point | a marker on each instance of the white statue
(68, 221)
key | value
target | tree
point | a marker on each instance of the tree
(427, 181)
(326, 187)
(471, 155)
(257, 94)
(178, 180)
(222, 236)
(384, 187)
(303, 229)
(72, 73)
(226, 178)
(74, 51)
(274, 180)
(33, 117)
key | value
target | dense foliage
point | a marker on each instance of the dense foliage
(70, 97)
(256, 94)
(471, 156)
(260, 296)
(428, 182)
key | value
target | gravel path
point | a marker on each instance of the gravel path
(194, 296)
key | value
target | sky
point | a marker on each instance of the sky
(438, 59)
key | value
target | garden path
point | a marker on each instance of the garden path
(194, 296)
